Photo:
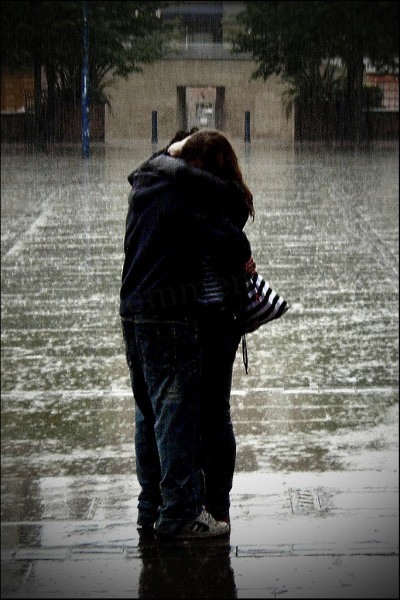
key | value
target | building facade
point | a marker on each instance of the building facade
(199, 82)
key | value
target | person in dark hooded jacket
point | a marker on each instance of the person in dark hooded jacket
(177, 217)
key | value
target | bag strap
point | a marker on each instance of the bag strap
(244, 353)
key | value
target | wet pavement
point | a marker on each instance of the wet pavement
(315, 497)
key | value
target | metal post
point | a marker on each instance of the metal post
(85, 85)
(247, 126)
(154, 132)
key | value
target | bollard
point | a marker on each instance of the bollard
(247, 152)
(154, 133)
(247, 126)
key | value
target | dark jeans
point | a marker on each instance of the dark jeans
(181, 373)
(219, 341)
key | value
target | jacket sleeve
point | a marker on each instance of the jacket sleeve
(225, 243)
(216, 237)
(146, 164)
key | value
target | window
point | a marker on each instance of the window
(390, 95)
(199, 22)
(206, 29)
(205, 114)
(389, 84)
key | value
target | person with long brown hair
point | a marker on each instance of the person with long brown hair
(211, 151)
(185, 256)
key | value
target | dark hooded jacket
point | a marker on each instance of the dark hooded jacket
(177, 214)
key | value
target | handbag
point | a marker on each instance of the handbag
(261, 305)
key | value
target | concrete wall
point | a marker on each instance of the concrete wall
(156, 89)
(13, 88)
(20, 127)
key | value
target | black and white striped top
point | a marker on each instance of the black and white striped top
(211, 287)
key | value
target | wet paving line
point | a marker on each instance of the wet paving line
(264, 407)
(365, 240)
(83, 328)
(390, 259)
(327, 419)
(126, 392)
(327, 549)
(40, 221)
(94, 551)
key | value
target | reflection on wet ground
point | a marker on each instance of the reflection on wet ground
(207, 570)
(320, 400)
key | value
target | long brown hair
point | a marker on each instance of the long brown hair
(217, 156)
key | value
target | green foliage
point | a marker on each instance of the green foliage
(299, 40)
(284, 37)
(122, 37)
(372, 96)
(314, 84)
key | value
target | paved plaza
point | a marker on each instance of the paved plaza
(315, 496)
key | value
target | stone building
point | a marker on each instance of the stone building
(199, 82)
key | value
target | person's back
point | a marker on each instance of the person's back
(160, 259)
(167, 234)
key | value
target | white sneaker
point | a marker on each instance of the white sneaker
(203, 526)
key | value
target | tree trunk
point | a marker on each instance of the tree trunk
(37, 93)
(37, 76)
(355, 77)
(51, 102)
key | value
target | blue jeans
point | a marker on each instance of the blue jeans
(181, 373)
(219, 341)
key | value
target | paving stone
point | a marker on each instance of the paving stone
(314, 502)
(41, 554)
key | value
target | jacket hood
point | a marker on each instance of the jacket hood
(163, 169)
(173, 168)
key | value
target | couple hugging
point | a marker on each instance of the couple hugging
(186, 258)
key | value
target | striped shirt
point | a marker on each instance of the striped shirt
(211, 287)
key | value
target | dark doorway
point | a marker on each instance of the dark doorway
(200, 106)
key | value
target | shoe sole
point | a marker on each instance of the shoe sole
(190, 536)
(201, 534)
